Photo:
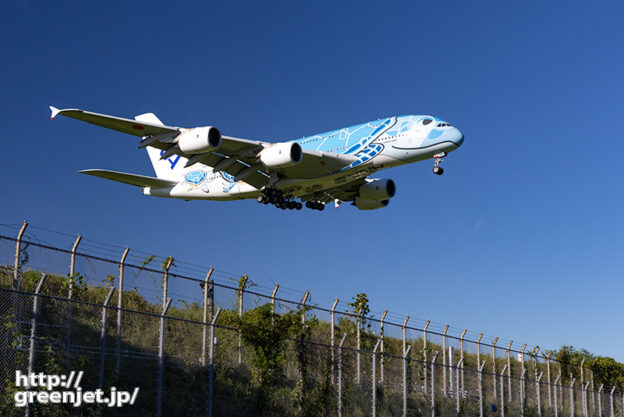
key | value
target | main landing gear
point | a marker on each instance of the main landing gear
(315, 205)
(276, 197)
(437, 169)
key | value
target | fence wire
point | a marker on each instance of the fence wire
(122, 345)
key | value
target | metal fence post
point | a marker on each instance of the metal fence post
(103, 337)
(273, 302)
(522, 398)
(461, 348)
(480, 376)
(72, 265)
(333, 340)
(509, 369)
(561, 390)
(450, 369)
(33, 332)
(479, 348)
(303, 305)
(556, 404)
(166, 279)
(161, 357)
(425, 354)
(273, 298)
(444, 359)
(358, 341)
(494, 366)
(213, 322)
(572, 397)
(405, 380)
(381, 359)
(119, 305)
(435, 356)
(457, 388)
(586, 400)
(611, 400)
(18, 282)
(242, 284)
(538, 383)
(33, 328)
(523, 369)
(593, 394)
(374, 377)
(208, 289)
(72, 268)
(600, 400)
(548, 377)
(502, 392)
(404, 333)
(340, 375)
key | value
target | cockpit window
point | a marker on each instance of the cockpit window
(443, 124)
(425, 122)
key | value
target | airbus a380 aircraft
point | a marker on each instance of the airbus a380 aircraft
(201, 164)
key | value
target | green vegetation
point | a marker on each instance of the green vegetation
(286, 368)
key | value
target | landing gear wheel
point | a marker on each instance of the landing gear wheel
(437, 169)
(321, 207)
(298, 206)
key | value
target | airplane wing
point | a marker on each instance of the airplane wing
(344, 192)
(132, 179)
(237, 157)
(129, 126)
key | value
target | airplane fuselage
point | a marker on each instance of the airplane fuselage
(373, 146)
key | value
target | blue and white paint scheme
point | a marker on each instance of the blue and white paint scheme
(201, 164)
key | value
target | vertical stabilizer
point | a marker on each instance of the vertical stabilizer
(170, 168)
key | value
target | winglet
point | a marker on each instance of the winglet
(55, 111)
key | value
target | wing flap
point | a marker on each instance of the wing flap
(132, 179)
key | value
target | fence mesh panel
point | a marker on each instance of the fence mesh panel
(121, 344)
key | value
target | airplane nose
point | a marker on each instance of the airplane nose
(456, 136)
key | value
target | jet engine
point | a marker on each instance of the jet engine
(281, 155)
(377, 190)
(200, 140)
(369, 205)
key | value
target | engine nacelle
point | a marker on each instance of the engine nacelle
(281, 155)
(200, 140)
(369, 205)
(377, 190)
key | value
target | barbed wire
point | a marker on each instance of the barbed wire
(185, 270)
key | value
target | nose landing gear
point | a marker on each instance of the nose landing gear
(437, 169)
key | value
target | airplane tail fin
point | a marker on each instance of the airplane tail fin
(168, 169)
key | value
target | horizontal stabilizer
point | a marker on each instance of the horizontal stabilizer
(132, 179)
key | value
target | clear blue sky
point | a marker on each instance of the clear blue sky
(520, 238)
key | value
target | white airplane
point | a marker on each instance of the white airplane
(201, 164)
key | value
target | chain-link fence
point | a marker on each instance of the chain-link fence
(188, 342)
